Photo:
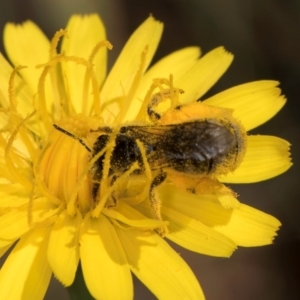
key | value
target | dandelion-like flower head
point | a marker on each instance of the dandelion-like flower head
(70, 195)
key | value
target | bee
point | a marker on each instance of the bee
(192, 141)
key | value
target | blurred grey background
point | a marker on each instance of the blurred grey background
(264, 36)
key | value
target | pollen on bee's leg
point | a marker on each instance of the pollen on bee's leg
(225, 195)
(143, 193)
(113, 201)
(165, 94)
(155, 202)
(108, 153)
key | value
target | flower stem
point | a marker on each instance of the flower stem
(78, 290)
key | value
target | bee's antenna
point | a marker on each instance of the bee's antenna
(72, 136)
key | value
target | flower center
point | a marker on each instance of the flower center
(64, 165)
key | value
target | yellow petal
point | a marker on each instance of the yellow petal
(16, 222)
(159, 267)
(245, 226)
(204, 208)
(266, 157)
(5, 73)
(131, 217)
(250, 227)
(176, 63)
(195, 236)
(11, 201)
(12, 195)
(254, 103)
(26, 272)
(204, 74)
(105, 269)
(84, 32)
(27, 45)
(125, 68)
(63, 249)
(3, 117)
(227, 201)
(4, 246)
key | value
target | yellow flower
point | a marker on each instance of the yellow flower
(53, 213)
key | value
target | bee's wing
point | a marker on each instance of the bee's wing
(199, 141)
(148, 134)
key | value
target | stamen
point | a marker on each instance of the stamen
(57, 89)
(11, 88)
(42, 109)
(63, 58)
(95, 84)
(25, 137)
(142, 113)
(54, 42)
(90, 75)
(96, 49)
(44, 115)
(2, 141)
(15, 116)
(18, 176)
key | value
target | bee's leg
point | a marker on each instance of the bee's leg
(155, 100)
(155, 201)
(95, 190)
(113, 197)
(171, 94)
(95, 193)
